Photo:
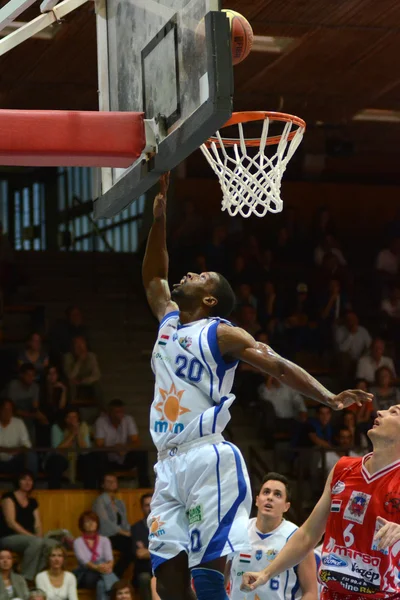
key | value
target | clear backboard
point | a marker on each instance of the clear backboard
(171, 60)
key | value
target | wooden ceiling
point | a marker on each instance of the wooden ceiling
(343, 57)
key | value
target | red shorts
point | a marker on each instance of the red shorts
(327, 594)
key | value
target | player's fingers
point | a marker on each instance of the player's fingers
(381, 533)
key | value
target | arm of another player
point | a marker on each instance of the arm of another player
(237, 343)
(155, 262)
(299, 545)
(307, 574)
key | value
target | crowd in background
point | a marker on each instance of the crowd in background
(314, 296)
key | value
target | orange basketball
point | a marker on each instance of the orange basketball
(242, 36)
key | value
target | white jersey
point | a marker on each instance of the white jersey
(193, 382)
(264, 548)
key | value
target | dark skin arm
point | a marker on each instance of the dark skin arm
(236, 343)
(156, 261)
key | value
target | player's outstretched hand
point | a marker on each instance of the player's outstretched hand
(388, 534)
(160, 201)
(251, 581)
(349, 397)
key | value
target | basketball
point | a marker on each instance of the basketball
(241, 36)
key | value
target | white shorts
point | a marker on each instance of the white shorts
(201, 502)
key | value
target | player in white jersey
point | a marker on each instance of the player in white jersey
(268, 534)
(202, 497)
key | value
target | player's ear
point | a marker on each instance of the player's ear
(210, 301)
(287, 506)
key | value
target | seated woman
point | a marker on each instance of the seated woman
(21, 528)
(34, 354)
(95, 557)
(12, 586)
(114, 522)
(55, 582)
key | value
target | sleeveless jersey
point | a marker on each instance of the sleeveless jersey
(193, 382)
(264, 548)
(351, 565)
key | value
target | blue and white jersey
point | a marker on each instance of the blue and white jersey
(264, 548)
(193, 382)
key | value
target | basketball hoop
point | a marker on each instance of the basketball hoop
(252, 184)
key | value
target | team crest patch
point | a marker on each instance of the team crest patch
(357, 507)
(259, 554)
(185, 342)
(338, 488)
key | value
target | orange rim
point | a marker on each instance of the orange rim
(259, 115)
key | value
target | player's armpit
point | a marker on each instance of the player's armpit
(159, 298)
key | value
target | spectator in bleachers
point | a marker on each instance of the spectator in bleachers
(368, 365)
(266, 268)
(285, 247)
(245, 296)
(14, 435)
(323, 223)
(247, 319)
(34, 355)
(270, 308)
(21, 526)
(391, 305)
(122, 590)
(333, 303)
(358, 438)
(142, 574)
(352, 338)
(363, 413)
(73, 434)
(331, 269)
(118, 431)
(242, 272)
(36, 594)
(317, 431)
(94, 554)
(215, 251)
(64, 331)
(12, 585)
(300, 321)
(114, 522)
(289, 406)
(53, 395)
(83, 371)
(328, 245)
(56, 582)
(388, 260)
(385, 393)
(343, 447)
(24, 392)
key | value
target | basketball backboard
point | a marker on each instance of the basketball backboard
(171, 60)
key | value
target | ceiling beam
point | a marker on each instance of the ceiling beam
(12, 10)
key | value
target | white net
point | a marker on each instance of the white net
(252, 184)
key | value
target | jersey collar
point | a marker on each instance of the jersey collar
(371, 478)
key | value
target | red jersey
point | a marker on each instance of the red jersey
(351, 566)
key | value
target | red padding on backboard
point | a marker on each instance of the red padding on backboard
(50, 138)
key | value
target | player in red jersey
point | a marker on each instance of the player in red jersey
(359, 511)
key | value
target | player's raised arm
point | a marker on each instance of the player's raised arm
(299, 545)
(155, 263)
(237, 343)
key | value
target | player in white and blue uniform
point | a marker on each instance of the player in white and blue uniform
(268, 534)
(202, 498)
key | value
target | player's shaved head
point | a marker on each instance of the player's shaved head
(208, 289)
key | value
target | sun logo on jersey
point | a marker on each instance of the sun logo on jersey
(156, 527)
(170, 406)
